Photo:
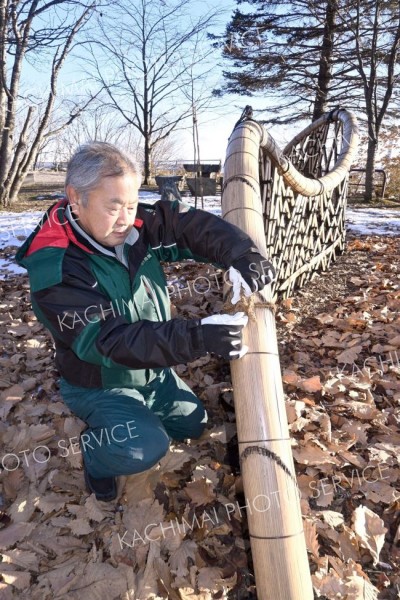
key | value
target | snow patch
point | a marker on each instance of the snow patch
(373, 221)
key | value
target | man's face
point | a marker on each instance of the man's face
(111, 208)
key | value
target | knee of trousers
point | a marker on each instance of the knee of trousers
(191, 426)
(198, 428)
(128, 457)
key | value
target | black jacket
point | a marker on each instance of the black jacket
(108, 312)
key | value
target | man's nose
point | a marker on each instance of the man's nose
(124, 217)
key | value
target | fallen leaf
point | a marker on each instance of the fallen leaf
(178, 561)
(14, 533)
(13, 394)
(80, 526)
(311, 537)
(200, 491)
(17, 579)
(349, 356)
(370, 530)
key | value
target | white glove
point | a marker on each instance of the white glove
(238, 318)
(238, 283)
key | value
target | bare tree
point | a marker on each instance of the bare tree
(101, 124)
(98, 123)
(143, 61)
(31, 30)
(374, 56)
(166, 152)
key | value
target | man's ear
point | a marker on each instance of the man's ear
(74, 199)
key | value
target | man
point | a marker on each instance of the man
(98, 286)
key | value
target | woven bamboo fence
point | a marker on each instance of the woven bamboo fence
(293, 208)
(303, 198)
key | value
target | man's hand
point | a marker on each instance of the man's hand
(250, 272)
(222, 335)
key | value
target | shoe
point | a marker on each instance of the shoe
(105, 489)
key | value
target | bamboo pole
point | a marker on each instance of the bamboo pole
(272, 498)
(296, 180)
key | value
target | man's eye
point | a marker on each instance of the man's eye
(131, 207)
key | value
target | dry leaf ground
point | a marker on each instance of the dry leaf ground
(340, 353)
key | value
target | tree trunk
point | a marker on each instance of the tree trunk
(6, 155)
(147, 161)
(370, 169)
(325, 60)
(6, 152)
(4, 195)
(18, 154)
(13, 195)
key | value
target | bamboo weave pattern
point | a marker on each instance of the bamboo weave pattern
(303, 195)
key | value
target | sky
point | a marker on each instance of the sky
(215, 125)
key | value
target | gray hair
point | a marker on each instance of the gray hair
(95, 160)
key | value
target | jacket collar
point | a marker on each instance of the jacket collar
(53, 231)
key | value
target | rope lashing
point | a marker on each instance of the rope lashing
(247, 305)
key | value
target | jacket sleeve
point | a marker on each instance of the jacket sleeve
(177, 231)
(85, 320)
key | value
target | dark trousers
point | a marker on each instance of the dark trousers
(129, 430)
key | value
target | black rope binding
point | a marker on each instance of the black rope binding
(265, 452)
(239, 178)
(332, 112)
(247, 115)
